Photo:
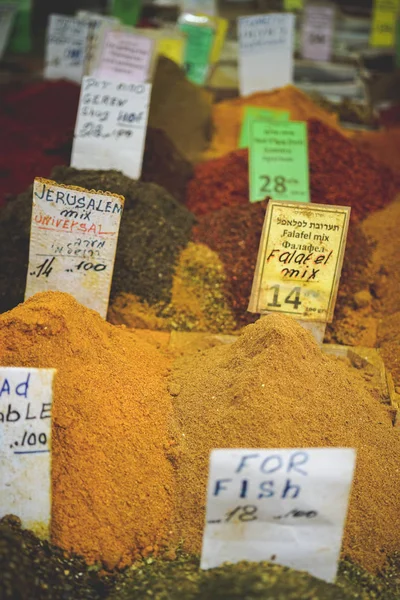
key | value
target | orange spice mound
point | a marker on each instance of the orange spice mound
(382, 145)
(113, 486)
(274, 388)
(228, 115)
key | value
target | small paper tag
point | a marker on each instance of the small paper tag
(285, 506)
(74, 234)
(317, 32)
(124, 56)
(8, 12)
(383, 29)
(25, 442)
(97, 25)
(111, 126)
(300, 260)
(265, 52)
(254, 113)
(278, 161)
(66, 45)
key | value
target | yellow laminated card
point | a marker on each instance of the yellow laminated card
(172, 49)
(300, 260)
(383, 30)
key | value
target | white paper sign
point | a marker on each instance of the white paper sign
(317, 32)
(284, 506)
(111, 126)
(7, 16)
(265, 52)
(25, 441)
(74, 234)
(66, 45)
(124, 57)
(97, 24)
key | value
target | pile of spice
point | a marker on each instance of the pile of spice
(181, 579)
(228, 115)
(198, 300)
(37, 122)
(113, 485)
(181, 109)
(340, 173)
(154, 229)
(274, 388)
(164, 165)
(383, 145)
(370, 313)
(33, 569)
(234, 234)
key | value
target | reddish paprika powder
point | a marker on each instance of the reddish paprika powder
(340, 173)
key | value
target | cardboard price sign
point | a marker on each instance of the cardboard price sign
(124, 56)
(300, 260)
(317, 32)
(66, 47)
(25, 441)
(278, 161)
(284, 505)
(74, 234)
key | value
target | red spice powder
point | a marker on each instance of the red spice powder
(340, 173)
(234, 233)
(220, 182)
(37, 123)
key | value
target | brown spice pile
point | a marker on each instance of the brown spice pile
(113, 486)
(228, 115)
(383, 145)
(275, 388)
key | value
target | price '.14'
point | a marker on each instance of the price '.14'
(292, 298)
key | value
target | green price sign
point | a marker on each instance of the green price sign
(278, 161)
(254, 113)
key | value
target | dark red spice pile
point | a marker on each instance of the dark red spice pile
(220, 182)
(340, 173)
(37, 122)
(234, 233)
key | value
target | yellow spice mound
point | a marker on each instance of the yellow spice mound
(228, 115)
(274, 388)
(113, 486)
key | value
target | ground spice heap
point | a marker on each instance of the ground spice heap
(154, 229)
(228, 115)
(164, 165)
(234, 234)
(31, 147)
(113, 484)
(383, 145)
(340, 173)
(274, 388)
(198, 300)
(181, 109)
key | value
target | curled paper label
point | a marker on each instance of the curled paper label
(287, 506)
(25, 443)
(74, 234)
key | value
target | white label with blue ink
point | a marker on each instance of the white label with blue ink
(25, 443)
(286, 506)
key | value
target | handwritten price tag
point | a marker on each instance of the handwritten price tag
(25, 439)
(383, 30)
(111, 126)
(74, 234)
(300, 260)
(265, 52)
(286, 506)
(317, 32)
(278, 161)
(66, 46)
(125, 57)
